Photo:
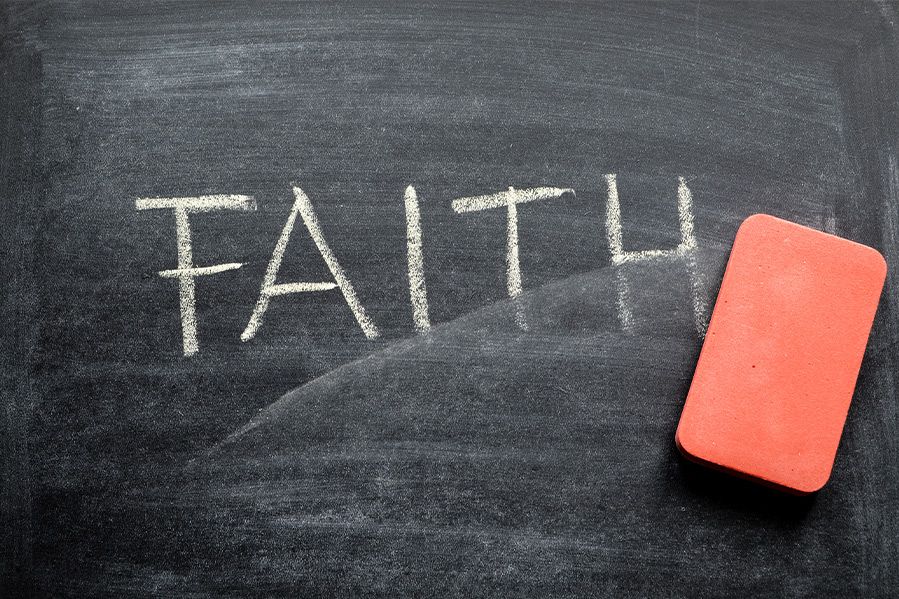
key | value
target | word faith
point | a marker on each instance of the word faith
(186, 271)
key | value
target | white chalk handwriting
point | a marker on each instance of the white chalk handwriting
(186, 271)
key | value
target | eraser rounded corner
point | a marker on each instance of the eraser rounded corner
(879, 260)
(756, 219)
(692, 450)
(812, 484)
(683, 446)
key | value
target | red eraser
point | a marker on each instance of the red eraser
(782, 353)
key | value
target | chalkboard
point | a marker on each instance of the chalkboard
(403, 299)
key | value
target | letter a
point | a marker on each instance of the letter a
(270, 289)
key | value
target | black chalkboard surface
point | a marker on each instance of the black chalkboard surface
(456, 260)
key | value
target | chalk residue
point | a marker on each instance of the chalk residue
(513, 264)
(207, 203)
(688, 247)
(303, 207)
(890, 233)
(685, 252)
(186, 272)
(513, 268)
(418, 292)
(505, 198)
(510, 199)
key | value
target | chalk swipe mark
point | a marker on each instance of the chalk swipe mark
(685, 252)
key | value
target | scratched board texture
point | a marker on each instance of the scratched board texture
(480, 458)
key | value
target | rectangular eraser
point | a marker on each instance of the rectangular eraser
(779, 363)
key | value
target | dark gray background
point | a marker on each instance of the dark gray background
(475, 460)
